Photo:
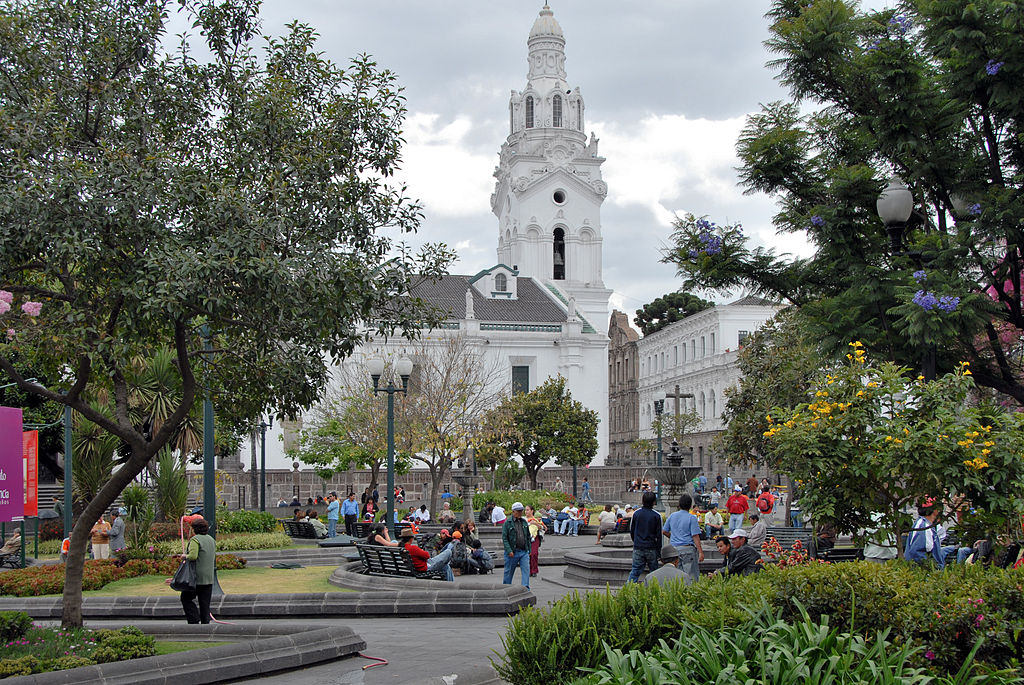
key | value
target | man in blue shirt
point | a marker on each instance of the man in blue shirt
(683, 531)
(645, 531)
(350, 510)
(332, 514)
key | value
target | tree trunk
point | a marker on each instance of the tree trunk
(254, 476)
(71, 616)
(436, 476)
(532, 475)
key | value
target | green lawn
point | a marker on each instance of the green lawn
(246, 581)
(172, 647)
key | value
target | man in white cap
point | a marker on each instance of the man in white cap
(743, 559)
(669, 568)
(737, 506)
(515, 536)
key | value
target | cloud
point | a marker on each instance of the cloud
(451, 178)
(665, 162)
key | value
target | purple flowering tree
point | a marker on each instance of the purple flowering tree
(931, 92)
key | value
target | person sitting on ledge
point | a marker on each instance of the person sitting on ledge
(744, 560)
(446, 516)
(669, 569)
(318, 526)
(421, 559)
(295, 501)
(282, 503)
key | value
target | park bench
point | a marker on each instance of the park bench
(788, 536)
(392, 561)
(300, 529)
(840, 554)
(12, 559)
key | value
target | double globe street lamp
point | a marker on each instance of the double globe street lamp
(375, 365)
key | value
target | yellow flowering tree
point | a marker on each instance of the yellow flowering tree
(875, 439)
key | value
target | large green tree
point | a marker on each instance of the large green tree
(930, 91)
(149, 195)
(667, 309)
(538, 426)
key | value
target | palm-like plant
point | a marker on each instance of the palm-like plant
(171, 486)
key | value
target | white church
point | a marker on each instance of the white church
(542, 309)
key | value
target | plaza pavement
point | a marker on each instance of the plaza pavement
(426, 651)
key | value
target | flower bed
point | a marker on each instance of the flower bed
(49, 579)
(947, 614)
(29, 649)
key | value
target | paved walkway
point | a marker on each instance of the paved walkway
(428, 651)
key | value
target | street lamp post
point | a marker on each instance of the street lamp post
(404, 368)
(264, 425)
(659, 408)
(895, 206)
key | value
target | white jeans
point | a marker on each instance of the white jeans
(101, 551)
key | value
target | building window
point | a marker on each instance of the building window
(712, 343)
(529, 111)
(743, 338)
(675, 355)
(693, 350)
(579, 115)
(684, 352)
(500, 283)
(520, 379)
(556, 111)
(703, 406)
(558, 256)
(703, 348)
(714, 412)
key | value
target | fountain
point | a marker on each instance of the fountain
(467, 478)
(674, 478)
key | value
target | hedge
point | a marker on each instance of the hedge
(943, 612)
(49, 579)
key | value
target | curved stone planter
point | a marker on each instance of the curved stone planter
(265, 649)
(436, 599)
(611, 565)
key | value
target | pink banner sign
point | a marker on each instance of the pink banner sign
(12, 484)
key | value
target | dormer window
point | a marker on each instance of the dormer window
(529, 111)
(500, 283)
(556, 111)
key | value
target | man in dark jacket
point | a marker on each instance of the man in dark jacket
(515, 535)
(645, 531)
(743, 559)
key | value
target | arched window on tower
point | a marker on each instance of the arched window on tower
(559, 255)
(529, 111)
(579, 115)
(500, 283)
(556, 111)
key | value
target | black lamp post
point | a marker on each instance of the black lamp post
(403, 366)
(659, 408)
(895, 206)
(264, 425)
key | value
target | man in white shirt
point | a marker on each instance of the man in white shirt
(422, 514)
(498, 515)
(562, 526)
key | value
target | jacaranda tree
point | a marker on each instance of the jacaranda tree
(931, 91)
(155, 192)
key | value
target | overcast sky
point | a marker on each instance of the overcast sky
(667, 84)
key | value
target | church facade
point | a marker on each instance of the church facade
(542, 309)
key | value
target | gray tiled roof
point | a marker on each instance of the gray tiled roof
(754, 301)
(533, 303)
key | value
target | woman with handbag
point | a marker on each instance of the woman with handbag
(202, 551)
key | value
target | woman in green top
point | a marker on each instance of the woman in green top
(202, 549)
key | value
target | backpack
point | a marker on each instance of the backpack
(764, 502)
(483, 557)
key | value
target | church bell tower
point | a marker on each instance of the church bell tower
(549, 190)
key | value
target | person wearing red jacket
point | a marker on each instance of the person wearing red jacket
(421, 559)
(737, 506)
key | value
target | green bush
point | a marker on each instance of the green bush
(26, 665)
(49, 547)
(66, 662)
(533, 498)
(13, 625)
(121, 645)
(944, 613)
(245, 542)
(246, 522)
(770, 649)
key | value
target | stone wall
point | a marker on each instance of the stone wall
(608, 483)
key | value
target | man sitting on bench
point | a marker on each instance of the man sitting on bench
(421, 559)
